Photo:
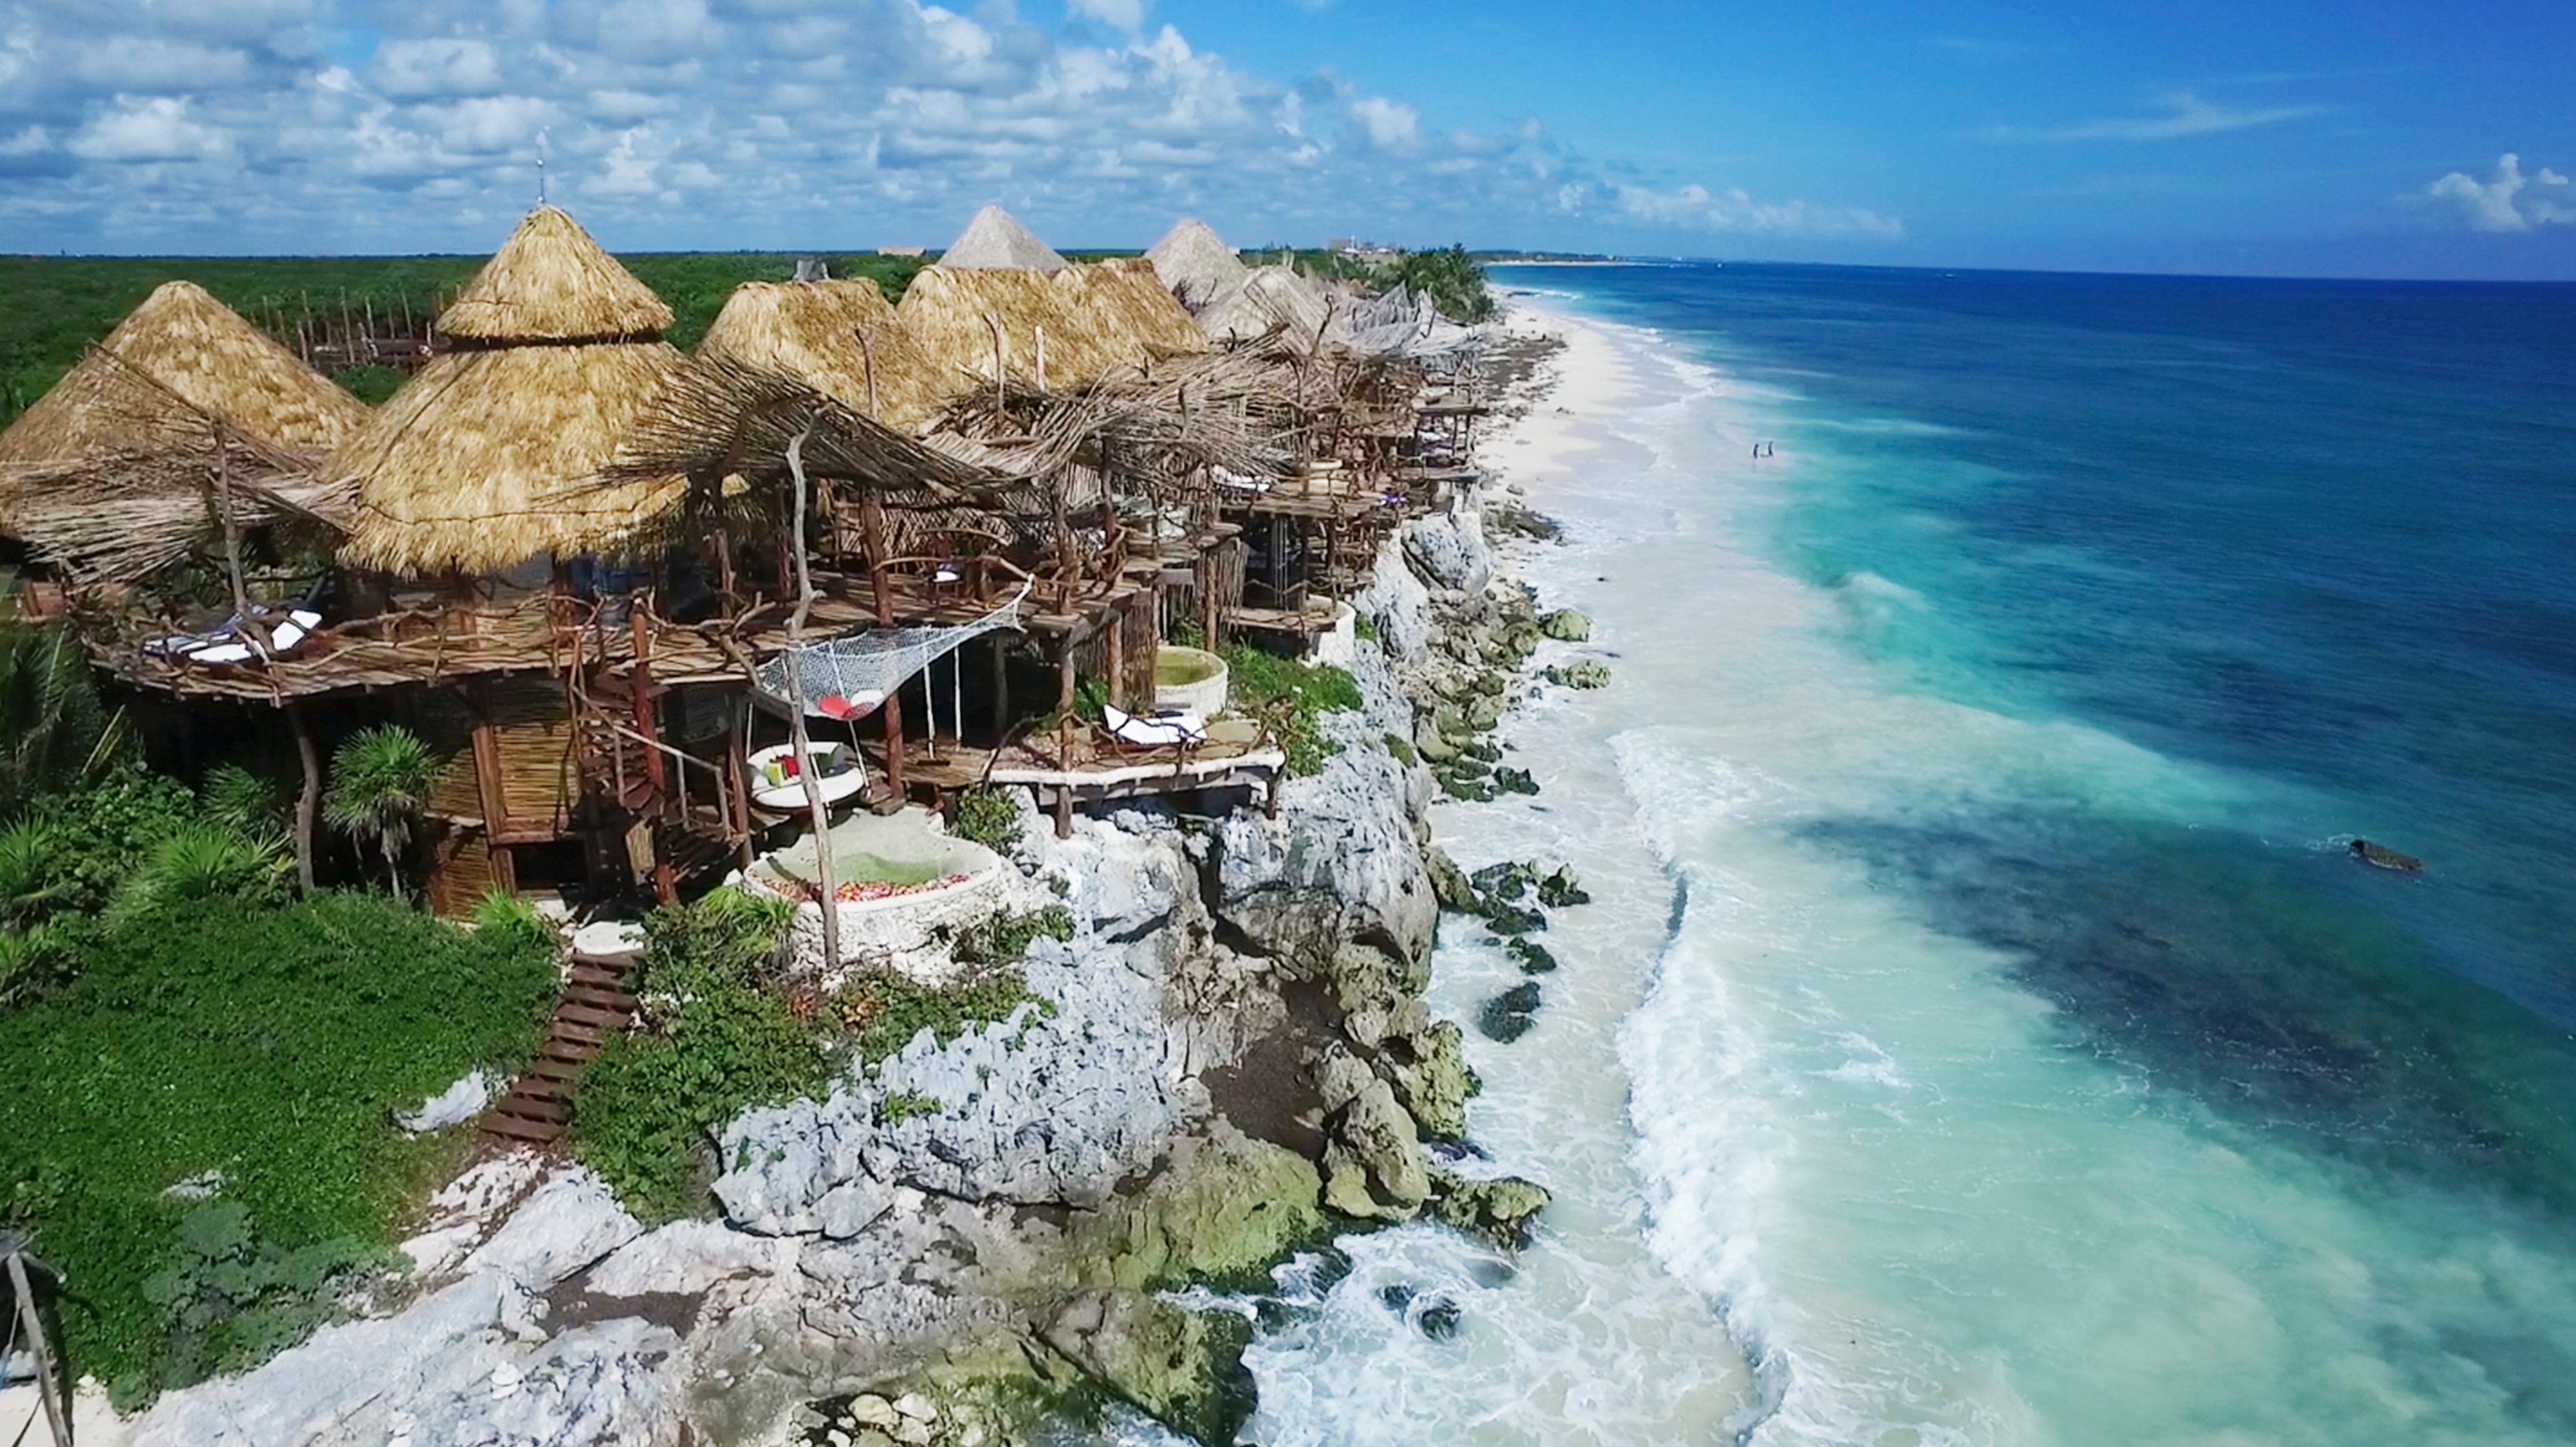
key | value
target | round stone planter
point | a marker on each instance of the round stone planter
(1189, 678)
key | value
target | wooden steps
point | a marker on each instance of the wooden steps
(598, 1001)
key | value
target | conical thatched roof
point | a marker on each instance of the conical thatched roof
(810, 331)
(1124, 309)
(490, 455)
(1273, 296)
(996, 241)
(207, 358)
(1195, 264)
(551, 283)
(1095, 317)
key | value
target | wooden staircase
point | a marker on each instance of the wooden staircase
(598, 1001)
(699, 818)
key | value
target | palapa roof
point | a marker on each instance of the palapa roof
(180, 352)
(1269, 297)
(1195, 264)
(995, 241)
(551, 283)
(810, 331)
(1095, 317)
(490, 455)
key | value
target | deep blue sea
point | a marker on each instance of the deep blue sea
(1985, 1035)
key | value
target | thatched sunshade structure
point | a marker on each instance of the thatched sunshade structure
(178, 365)
(1196, 265)
(811, 331)
(488, 457)
(996, 241)
(1062, 326)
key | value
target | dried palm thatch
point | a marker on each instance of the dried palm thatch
(1274, 298)
(995, 241)
(811, 331)
(1195, 264)
(551, 283)
(489, 456)
(487, 459)
(1124, 311)
(180, 344)
(1065, 329)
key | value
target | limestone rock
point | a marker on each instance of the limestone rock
(1566, 626)
(1509, 1015)
(1397, 605)
(1373, 1157)
(571, 1221)
(1340, 863)
(688, 1257)
(1432, 1080)
(1448, 881)
(1582, 673)
(1185, 1368)
(1500, 1210)
(1227, 1208)
(852, 1207)
(1449, 551)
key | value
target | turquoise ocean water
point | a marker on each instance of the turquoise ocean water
(1982, 1035)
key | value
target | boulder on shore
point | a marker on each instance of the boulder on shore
(1499, 1210)
(1183, 1367)
(1566, 626)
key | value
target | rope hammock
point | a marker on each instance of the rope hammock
(846, 677)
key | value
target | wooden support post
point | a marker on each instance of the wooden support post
(1064, 736)
(1115, 642)
(31, 1326)
(1001, 691)
(826, 887)
(308, 800)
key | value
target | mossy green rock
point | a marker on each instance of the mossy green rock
(1498, 1210)
(1223, 1213)
(1583, 673)
(1432, 1080)
(1184, 1368)
(1566, 626)
(1449, 882)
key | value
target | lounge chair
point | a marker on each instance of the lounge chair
(1156, 731)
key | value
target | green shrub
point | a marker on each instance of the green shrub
(1451, 278)
(234, 796)
(228, 1301)
(270, 1044)
(717, 1039)
(1004, 938)
(886, 1012)
(380, 781)
(198, 861)
(1290, 698)
(906, 1105)
(1403, 750)
(507, 916)
(98, 836)
(989, 816)
(53, 729)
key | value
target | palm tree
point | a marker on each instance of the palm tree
(52, 727)
(380, 779)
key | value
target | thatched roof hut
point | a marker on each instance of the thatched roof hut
(1271, 297)
(1195, 264)
(995, 241)
(810, 331)
(181, 354)
(488, 457)
(1091, 318)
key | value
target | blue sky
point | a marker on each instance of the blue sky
(2293, 138)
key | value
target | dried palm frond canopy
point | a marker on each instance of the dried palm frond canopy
(812, 331)
(995, 241)
(180, 344)
(551, 283)
(1062, 330)
(1275, 298)
(489, 456)
(1195, 265)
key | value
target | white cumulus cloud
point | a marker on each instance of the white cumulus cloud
(157, 129)
(1699, 209)
(2508, 200)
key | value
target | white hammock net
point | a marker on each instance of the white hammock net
(857, 671)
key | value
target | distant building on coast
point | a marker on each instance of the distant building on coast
(903, 250)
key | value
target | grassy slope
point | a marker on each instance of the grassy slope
(270, 1044)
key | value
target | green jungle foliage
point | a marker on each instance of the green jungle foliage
(380, 780)
(1291, 698)
(216, 1031)
(906, 1105)
(53, 729)
(714, 1041)
(1452, 276)
(988, 816)
(885, 1012)
(59, 305)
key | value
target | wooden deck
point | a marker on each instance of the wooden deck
(1097, 768)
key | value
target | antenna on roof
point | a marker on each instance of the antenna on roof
(541, 168)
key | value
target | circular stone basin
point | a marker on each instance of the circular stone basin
(891, 857)
(1190, 679)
